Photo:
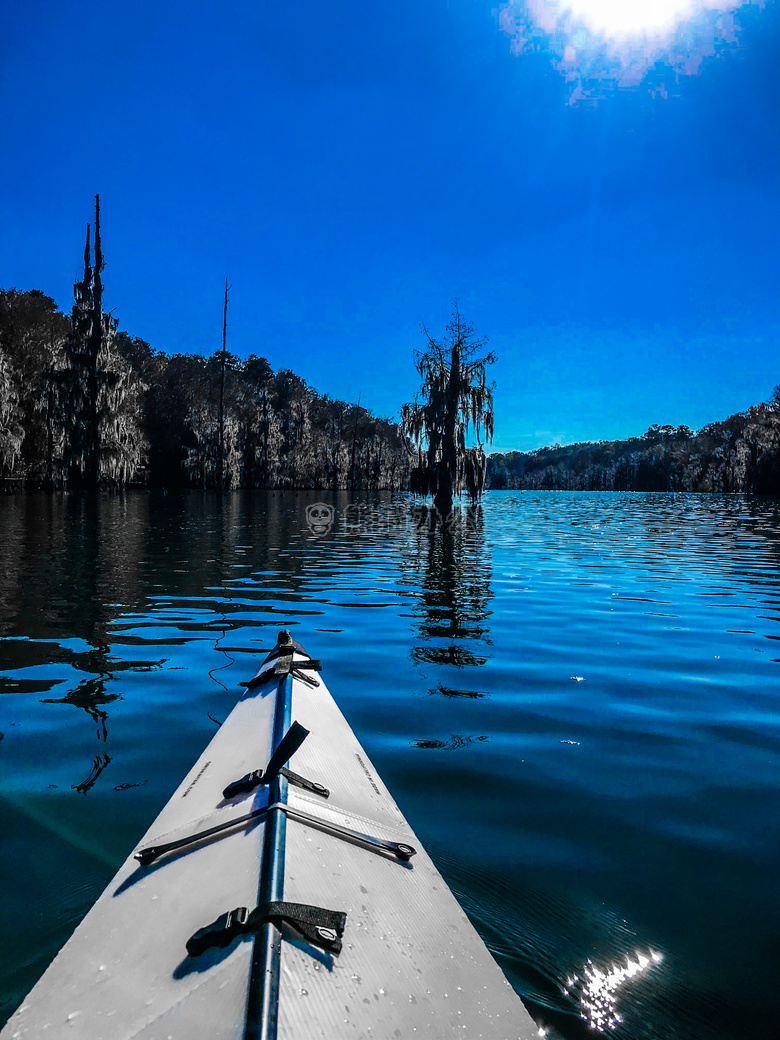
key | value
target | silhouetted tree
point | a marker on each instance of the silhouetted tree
(98, 389)
(222, 368)
(455, 397)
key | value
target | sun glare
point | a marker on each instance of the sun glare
(600, 45)
(621, 18)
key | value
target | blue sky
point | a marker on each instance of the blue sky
(354, 168)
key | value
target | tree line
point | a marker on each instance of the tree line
(738, 454)
(84, 405)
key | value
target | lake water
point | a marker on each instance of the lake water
(573, 697)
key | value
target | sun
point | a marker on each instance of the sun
(603, 45)
(613, 18)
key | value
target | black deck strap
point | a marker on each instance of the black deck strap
(221, 932)
(298, 666)
(307, 785)
(247, 783)
(308, 679)
(149, 854)
(258, 680)
(399, 849)
(256, 778)
(283, 666)
(286, 748)
(321, 927)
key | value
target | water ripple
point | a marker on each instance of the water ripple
(572, 696)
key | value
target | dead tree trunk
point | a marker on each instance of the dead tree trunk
(354, 443)
(92, 467)
(449, 449)
(221, 446)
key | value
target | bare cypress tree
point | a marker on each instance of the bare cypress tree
(352, 471)
(98, 390)
(221, 446)
(101, 331)
(76, 382)
(456, 397)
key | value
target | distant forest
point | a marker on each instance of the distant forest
(155, 417)
(83, 405)
(741, 453)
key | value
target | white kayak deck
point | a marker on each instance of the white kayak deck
(411, 963)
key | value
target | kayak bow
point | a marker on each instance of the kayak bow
(267, 904)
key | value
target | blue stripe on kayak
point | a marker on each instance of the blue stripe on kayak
(263, 1002)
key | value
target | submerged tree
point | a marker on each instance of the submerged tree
(221, 419)
(99, 390)
(455, 398)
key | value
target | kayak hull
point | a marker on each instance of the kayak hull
(411, 961)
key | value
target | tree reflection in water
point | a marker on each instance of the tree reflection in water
(453, 559)
(70, 560)
(89, 695)
(100, 763)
